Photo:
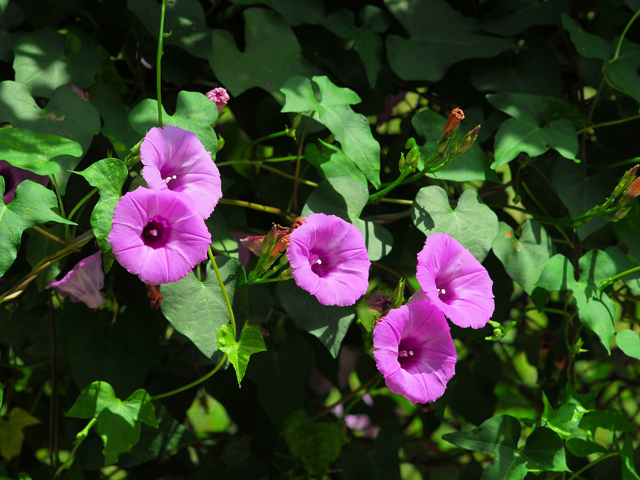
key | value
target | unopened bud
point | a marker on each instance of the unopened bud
(398, 294)
(296, 121)
(625, 182)
(269, 241)
(286, 275)
(468, 140)
(413, 157)
(634, 189)
(379, 302)
(620, 214)
(220, 143)
(401, 163)
(442, 147)
(455, 117)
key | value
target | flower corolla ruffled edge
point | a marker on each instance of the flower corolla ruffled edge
(158, 235)
(414, 351)
(83, 282)
(454, 281)
(329, 259)
(175, 159)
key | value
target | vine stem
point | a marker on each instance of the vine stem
(270, 168)
(389, 187)
(589, 465)
(195, 382)
(283, 133)
(81, 202)
(624, 33)
(605, 283)
(159, 62)
(232, 318)
(79, 439)
(607, 124)
(51, 236)
(257, 206)
(299, 161)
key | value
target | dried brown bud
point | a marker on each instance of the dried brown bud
(634, 189)
(379, 302)
(297, 222)
(154, 294)
(455, 117)
(545, 344)
(560, 362)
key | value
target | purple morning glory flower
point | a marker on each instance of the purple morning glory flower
(329, 259)
(454, 282)
(158, 235)
(414, 351)
(219, 96)
(174, 159)
(14, 176)
(83, 282)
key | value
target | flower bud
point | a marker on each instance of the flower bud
(398, 294)
(220, 143)
(413, 157)
(402, 163)
(620, 214)
(468, 141)
(379, 302)
(219, 96)
(455, 117)
(296, 121)
(634, 189)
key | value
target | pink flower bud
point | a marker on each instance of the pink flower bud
(219, 96)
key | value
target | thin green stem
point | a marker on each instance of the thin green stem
(258, 207)
(398, 201)
(605, 283)
(81, 202)
(159, 62)
(589, 465)
(616, 164)
(283, 133)
(60, 205)
(49, 235)
(299, 161)
(271, 169)
(258, 161)
(195, 382)
(390, 187)
(79, 439)
(232, 318)
(607, 124)
(624, 33)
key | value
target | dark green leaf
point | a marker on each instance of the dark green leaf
(194, 112)
(250, 342)
(544, 451)
(379, 463)
(580, 446)
(472, 223)
(331, 162)
(523, 258)
(221, 239)
(565, 420)
(107, 176)
(295, 12)
(471, 165)
(184, 19)
(272, 54)
(39, 247)
(33, 205)
(317, 444)
(33, 152)
(626, 456)
(118, 421)
(623, 263)
(613, 420)
(595, 308)
(66, 115)
(329, 324)
(524, 14)
(351, 129)
(42, 64)
(628, 231)
(624, 71)
(197, 309)
(587, 44)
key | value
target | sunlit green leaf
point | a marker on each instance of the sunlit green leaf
(629, 343)
(240, 351)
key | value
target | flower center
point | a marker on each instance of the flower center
(408, 354)
(405, 353)
(319, 266)
(168, 179)
(442, 291)
(155, 233)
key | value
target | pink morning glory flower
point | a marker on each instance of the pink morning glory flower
(219, 96)
(84, 282)
(174, 159)
(14, 176)
(454, 282)
(158, 235)
(329, 259)
(414, 351)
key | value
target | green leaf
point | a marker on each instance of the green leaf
(629, 343)
(471, 165)
(351, 129)
(438, 36)
(626, 456)
(108, 100)
(272, 54)
(522, 15)
(107, 176)
(197, 309)
(42, 62)
(595, 308)
(194, 112)
(250, 342)
(317, 444)
(544, 451)
(39, 247)
(624, 71)
(33, 152)
(613, 420)
(1, 393)
(523, 258)
(524, 133)
(331, 162)
(580, 446)
(328, 324)
(346, 198)
(498, 435)
(11, 432)
(472, 223)
(221, 239)
(580, 193)
(381, 462)
(628, 231)
(33, 205)
(118, 421)
(587, 44)
(565, 420)
(66, 115)
(184, 19)
(623, 263)
(295, 12)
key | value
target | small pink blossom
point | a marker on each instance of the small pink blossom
(84, 282)
(219, 96)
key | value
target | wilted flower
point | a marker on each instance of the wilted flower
(455, 117)
(415, 352)
(175, 159)
(379, 302)
(158, 235)
(329, 259)
(81, 93)
(219, 96)
(84, 282)
(454, 282)
(14, 176)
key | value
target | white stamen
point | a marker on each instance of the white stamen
(405, 353)
(168, 179)
(153, 232)
(316, 262)
(441, 291)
